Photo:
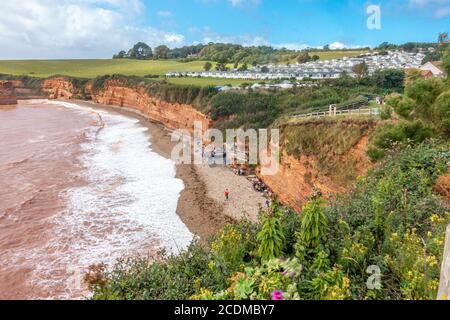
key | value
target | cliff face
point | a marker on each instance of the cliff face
(59, 88)
(332, 170)
(7, 92)
(172, 115)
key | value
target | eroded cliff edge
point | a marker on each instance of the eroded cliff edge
(171, 114)
(323, 156)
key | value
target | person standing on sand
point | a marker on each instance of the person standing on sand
(227, 194)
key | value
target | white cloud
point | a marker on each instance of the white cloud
(164, 14)
(239, 3)
(245, 40)
(442, 12)
(337, 45)
(293, 46)
(439, 8)
(74, 28)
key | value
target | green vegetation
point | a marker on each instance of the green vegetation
(391, 222)
(423, 112)
(271, 236)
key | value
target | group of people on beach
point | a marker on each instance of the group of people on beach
(210, 152)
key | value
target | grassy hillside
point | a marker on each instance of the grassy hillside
(329, 55)
(94, 68)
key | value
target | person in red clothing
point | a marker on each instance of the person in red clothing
(227, 194)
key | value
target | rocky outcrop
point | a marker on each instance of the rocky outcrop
(7, 92)
(172, 115)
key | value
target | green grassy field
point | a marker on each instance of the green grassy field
(94, 68)
(330, 55)
(209, 82)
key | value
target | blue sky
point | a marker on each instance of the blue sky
(98, 28)
(300, 22)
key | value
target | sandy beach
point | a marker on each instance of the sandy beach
(202, 205)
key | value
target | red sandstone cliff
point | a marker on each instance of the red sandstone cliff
(171, 115)
(59, 88)
(7, 92)
(300, 177)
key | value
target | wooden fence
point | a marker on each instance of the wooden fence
(373, 112)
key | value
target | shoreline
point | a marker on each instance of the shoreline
(201, 205)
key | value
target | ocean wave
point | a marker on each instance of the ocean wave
(127, 207)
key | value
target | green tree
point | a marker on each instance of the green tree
(244, 67)
(443, 37)
(425, 92)
(271, 238)
(389, 79)
(441, 112)
(361, 69)
(140, 50)
(304, 57)
(121, 55)
(446, 62)
(162, 52)
(265, 69)
(221, 66)
(207, 66)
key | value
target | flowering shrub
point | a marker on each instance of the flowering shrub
(276, 277)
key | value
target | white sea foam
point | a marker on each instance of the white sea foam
(128, 206)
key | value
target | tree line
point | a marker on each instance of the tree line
(222, 53)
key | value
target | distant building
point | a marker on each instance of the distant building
(435, 67)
